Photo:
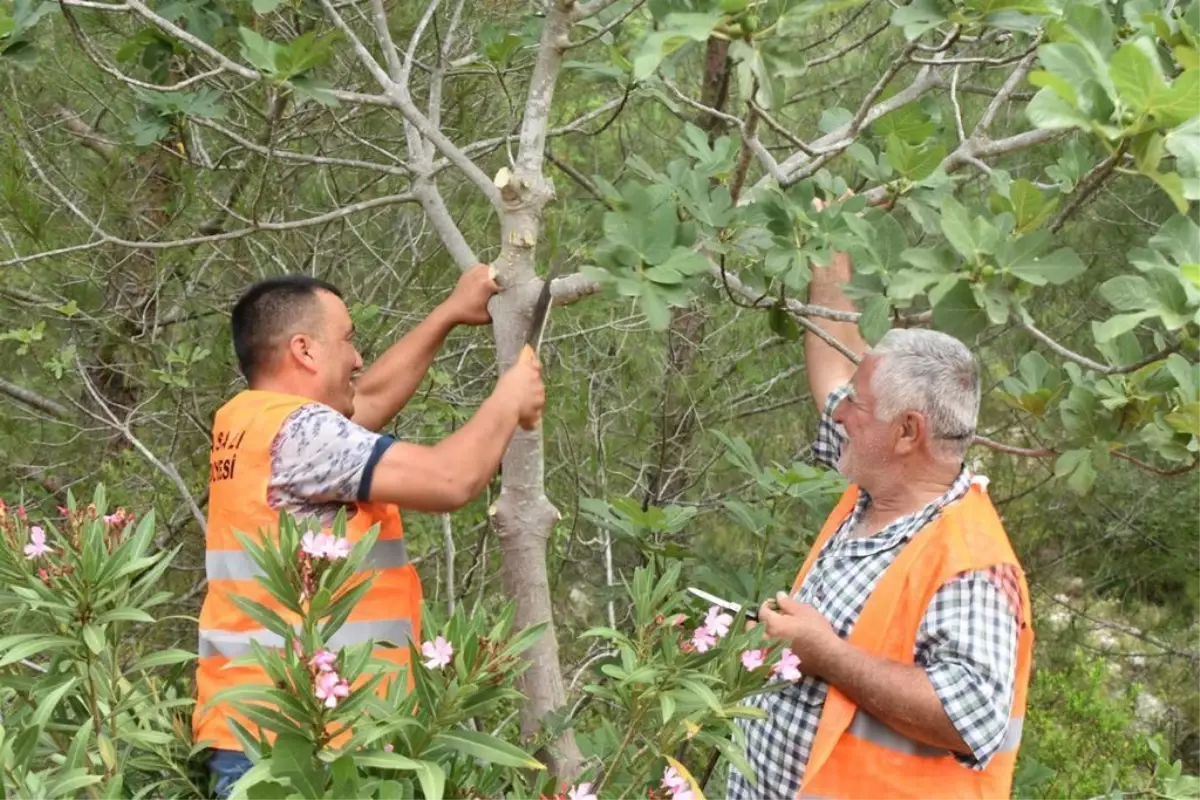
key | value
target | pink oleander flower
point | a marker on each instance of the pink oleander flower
(678, 785)
(788, 667)
(703, 639)
(337, 548)
(581, 792)
(717, 622)
(323, 661)
(753, 659)
(314, 544)
(674, 782)
(438, 652)
(37, 543)
(324, 545)
(21, 514)
(330, 688)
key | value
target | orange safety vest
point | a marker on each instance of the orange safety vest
(855, 755)
(240, 469)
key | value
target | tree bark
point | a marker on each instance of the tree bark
(523, 515)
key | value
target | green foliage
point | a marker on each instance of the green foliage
(82, 707)
(1080, 723)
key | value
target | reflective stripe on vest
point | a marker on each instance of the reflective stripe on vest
(237, 565)
(867, 727)
(235, 644)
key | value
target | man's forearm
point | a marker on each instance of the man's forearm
(476, 448)
(827, 368)
(900, 695)
(392, 380)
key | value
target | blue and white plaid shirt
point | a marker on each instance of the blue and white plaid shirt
(967, 641)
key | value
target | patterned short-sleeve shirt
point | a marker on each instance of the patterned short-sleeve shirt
(320, 462)
(967, 641)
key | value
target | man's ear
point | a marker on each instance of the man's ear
(912, 430)
(300, 352)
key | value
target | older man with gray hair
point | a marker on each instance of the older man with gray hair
(910, 616)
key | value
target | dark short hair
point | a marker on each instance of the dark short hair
(269, 310)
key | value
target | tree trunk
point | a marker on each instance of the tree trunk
(523, 515)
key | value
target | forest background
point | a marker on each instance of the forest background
(1026, 176)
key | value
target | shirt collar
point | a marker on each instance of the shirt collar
(903, 529)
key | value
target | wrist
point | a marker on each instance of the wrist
(444, 317)
(824, 655)
(507, 404)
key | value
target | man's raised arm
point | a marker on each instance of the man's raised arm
(390, 382)
(827, 368)
(453, 472)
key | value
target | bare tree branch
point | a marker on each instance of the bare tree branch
(437, 78)
(925, 80)
(123, 428)
(1070, 355)
(1088, 186)
(617, 20)
(88, 137)
(384, 34)
(443, 223)
(569, 288)
(34, 400)
(555, 37)
(1165, 473)
(104, 237)
(589, 9)
(1012, 449)
(301, 158)
(836, 54)
(1010, 85)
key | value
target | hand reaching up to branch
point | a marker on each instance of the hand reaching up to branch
(468, 303)
(828, 368)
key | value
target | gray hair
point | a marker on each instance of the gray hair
(933, 374)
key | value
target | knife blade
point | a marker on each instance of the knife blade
(541, 308)
(541, 312)
(733, 608)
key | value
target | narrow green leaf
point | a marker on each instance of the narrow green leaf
(292, 757)
(487, 747)
(36, 647)
(93, 637)
(163, 658)
(125, 615)
(70, 784)
(49, 702)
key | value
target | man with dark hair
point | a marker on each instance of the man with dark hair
(265, 312)
(303, 438)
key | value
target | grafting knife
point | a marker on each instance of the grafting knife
(541, 310)
(733, 608)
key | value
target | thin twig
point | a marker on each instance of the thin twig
(958, 115)
(608, 27)
(1121, 369)
(1089, 184)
